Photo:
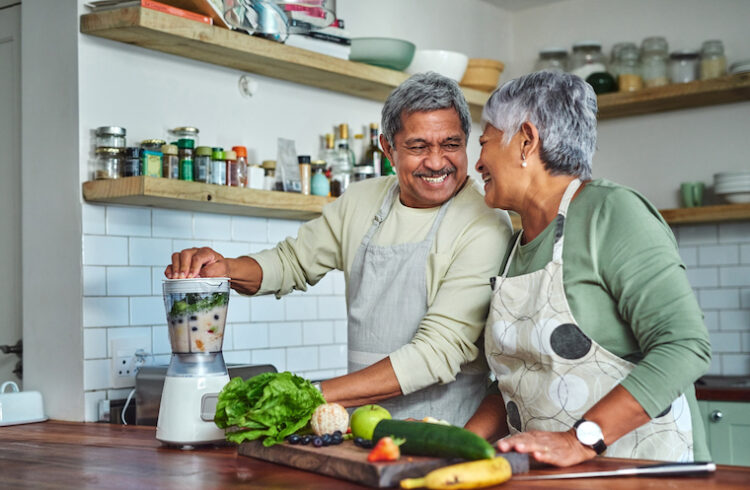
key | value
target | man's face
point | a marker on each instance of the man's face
(429, 154)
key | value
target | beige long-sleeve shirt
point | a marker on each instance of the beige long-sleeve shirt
(467, 251)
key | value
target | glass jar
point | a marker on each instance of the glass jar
(151, 157)
(269, 174)
(218, 172)
(241, 152)
(683, 66)
(186, 132)
(131, 162)
(107, 163)
(319, 184)
(185, 153)
(587, 58)
(363, 172)
(233, 174)
(552, 59)
(713, 61)
(202, 163)
(629, 69)
(110, 137)
(304, 173)
(170, 162)
(654, 61)
(614, 58)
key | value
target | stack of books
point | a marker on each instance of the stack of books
(101, 5)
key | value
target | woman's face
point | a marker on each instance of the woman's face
(498, 163)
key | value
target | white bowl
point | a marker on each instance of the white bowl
(732, 187)
(737, 197)
(448, 63)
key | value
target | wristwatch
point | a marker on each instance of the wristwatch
(590, 434)
(317, 386)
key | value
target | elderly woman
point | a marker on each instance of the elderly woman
(594, 334)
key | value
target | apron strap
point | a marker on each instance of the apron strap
(562, 212)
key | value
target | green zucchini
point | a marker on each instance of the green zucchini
(427, 439)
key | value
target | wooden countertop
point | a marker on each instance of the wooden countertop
(74, 455)
(723, 388)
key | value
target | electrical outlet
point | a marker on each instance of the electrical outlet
(124, 361)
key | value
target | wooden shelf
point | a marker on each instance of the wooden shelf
(732, 88)
(206, 198)
(219, 46)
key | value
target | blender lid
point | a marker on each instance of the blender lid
(196, 285)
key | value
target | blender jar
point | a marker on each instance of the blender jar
(196, 313)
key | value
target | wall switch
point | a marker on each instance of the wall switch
(124, 361)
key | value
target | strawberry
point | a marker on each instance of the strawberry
(386, 450)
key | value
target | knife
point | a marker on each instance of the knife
(663, 469)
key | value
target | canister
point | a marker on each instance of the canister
(110, 137)
(131, 162)
(171, 162)
(107, 163)
(218, 173)
(304, 173)
(201, 164)
(185, 153)
(151, 157)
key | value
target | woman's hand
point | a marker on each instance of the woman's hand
(197, 262)
(555, 448)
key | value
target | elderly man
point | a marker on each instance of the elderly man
(417, 250)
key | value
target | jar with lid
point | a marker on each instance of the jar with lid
(363, 172)
(552, 59)
(713, 61)
(587, 58)
(170, 162)
(233, 174)
(683, 66)
(654, 61)
(201, 164)
(614, 58)
(107, 163)
(269, 177)
(319, 184)
(110, 137)
(629, 69)
(151, 157)
(218, 172)
(304, 173)
(131, 162)
(185, 153)
(186, 132)
(241, 152)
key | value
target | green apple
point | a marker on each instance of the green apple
(365, 418)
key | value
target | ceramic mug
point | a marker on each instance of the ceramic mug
(692, 194)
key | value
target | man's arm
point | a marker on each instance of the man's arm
(369, 385)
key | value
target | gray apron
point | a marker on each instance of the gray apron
(387, 299)
(550, 373)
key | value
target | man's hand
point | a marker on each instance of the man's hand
(556, 448)
(197, 262)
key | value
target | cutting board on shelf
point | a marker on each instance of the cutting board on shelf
(349, 462)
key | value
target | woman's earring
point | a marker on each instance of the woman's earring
(523, 163)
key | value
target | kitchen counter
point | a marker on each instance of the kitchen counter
(63, 455)
(723, 388)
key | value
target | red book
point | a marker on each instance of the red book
(149, 4)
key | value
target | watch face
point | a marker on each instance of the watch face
(589, 433)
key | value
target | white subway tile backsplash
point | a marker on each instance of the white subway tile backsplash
(128, 281)
(128, 221)
(169, 223)
(323, 287)
(689, 256)
(711, 320)
(340, 332)
(266, 309)
(735, 320)
(284, 334)
(331, 308)
(717, 299)
(96, 374)
(333, 356)
(230, 249)
(317, 333)
(303, 307)
(339, 282)
(321, 374)
(249, 336)
(237, 357)
(715, 366)
(723, 342)
(745, 254)
(160, 340)
(147, 310)
(718, 255)
(180, 245)
(144, 334)
(301, 359)
(105, 250)
(91, 405)
(275, 357)
(157, 277)
(735, 232)
(238, 309)
(745, 298)
(698, 235)
(94, 281)
(249, 229)
(279, 229)
(735, 364)
(702, 277)
(94, 343)
(212, 226)
(735, 276)
(150, 251)
(93, 219)
(105, 312)
(228, 336)
(746, 342)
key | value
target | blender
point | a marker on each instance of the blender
(196, 314)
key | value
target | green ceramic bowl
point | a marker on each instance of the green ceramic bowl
(385, 52)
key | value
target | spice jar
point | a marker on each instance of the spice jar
(319, 184)
(110, 137)
(233, 174)
(269, 178)
(363, 172)
(201, 163)
(552, 59)
(131, 162)
(629, 69)
(713, 61)
(217, 174)
(151, 157)
(186, 132)
(614, 58)
(107, 163)
(683, 66)
(185, 153)
(304, 173)
(587, 58)
(654, 61)
(170, 162)
(241, 152)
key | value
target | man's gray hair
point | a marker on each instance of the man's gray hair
(562, 107)
(423, 92)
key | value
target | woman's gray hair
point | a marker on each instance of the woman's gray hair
(423, 92)
(562, 107)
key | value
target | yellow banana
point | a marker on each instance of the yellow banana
(475, 474)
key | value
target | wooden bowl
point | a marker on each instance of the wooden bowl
(482, 74)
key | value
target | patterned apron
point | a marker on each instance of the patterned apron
(550, 373)
(387, 299)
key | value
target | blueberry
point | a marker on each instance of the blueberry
(367, 444)
(305, 440)
(326, 438)
(337, 438)
(338, 432)
(294, 439)
(317, 441)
